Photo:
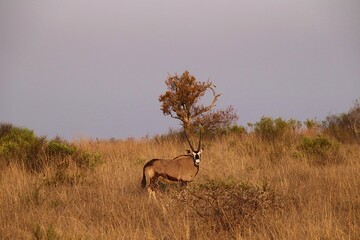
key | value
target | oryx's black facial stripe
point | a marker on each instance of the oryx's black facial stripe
(197, 157)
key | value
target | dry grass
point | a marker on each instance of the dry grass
(246, 189)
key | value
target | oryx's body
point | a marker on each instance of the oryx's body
(181, 169)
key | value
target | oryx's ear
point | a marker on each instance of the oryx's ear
(201, 150)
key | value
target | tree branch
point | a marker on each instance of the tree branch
(208, 108)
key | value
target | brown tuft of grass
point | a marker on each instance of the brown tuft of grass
(246, 189)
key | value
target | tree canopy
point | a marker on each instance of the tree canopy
(182, 101)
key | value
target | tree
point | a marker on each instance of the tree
(346, 126)
(354, 119)
(182, 101)
(312, 125)
(219, 120)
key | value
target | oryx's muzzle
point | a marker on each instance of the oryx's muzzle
(197, 162)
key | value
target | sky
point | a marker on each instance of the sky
(95, 69)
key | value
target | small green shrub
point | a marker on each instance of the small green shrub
(320, 150)
(59, 148)
(231, 129)
(88, 160)
(16, 142)
(22, 146)
(269, 129)
(64, 177)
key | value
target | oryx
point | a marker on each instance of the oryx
(181, 169)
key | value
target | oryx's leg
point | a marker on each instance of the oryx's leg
(151, 193)
(154, 181)
(152, 185)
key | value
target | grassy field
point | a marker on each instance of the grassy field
(245, 189)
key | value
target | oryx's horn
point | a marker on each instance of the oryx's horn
(199, 145)
(192, 149)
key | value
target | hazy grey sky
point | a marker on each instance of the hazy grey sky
(86, 68)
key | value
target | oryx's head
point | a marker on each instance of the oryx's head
(196, 154)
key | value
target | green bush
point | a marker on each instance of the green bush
(232, 129)
(21, 145)
(88, 160)
(320, 150)
(59, 148)
(270, 129)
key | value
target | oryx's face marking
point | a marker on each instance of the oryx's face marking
(196, 155)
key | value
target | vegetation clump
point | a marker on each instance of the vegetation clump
(58, 147)
(269, 129)
(21, 146)
(345, 127)
(320, 150)
(225, 204)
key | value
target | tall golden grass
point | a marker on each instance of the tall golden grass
(245, 189)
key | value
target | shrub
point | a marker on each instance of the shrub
(269, 129)
(21, 145)
(59, 148)
(231, 129)
(224, 203)
(320, 150)
(344, 127)
(312, 125)
(88, 160)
